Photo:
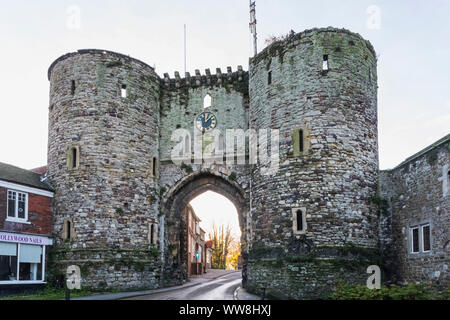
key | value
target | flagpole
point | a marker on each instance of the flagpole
(253, 26)
(184, 48)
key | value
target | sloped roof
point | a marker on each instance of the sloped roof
(40, 170)
(18, 175)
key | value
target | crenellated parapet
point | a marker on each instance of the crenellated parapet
(206, 79)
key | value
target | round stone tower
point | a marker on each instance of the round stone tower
(103, 162)
(314, 219)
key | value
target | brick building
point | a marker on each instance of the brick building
(25, 229)
(196, 244)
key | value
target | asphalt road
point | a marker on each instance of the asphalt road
(217, 289)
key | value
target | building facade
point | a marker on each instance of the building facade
(196, 264)
(415, 208)
(25, 229)
(209, 245)
(307, 214)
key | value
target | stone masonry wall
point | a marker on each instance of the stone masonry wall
(414, 193)
(182, 102)
(112, 196)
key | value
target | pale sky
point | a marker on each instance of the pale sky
(412, 39)
(213, 208)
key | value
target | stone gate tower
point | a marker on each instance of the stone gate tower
(103, 139)
(313, 221)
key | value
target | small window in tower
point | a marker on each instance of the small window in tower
(152, 233)
(72, 88)
(207, 101)
(123, 91)
(299, 220)
(68, 232)
(325, 63)
(426, 236)
(154, 167)
(68, 227)
(269, 78)
(300, 140)
(448, 178)
(73, 158)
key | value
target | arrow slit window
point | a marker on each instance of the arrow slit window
(299, 221)
(300, 140)
(73, 158)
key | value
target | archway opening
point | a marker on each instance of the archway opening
(175, 208)
(218, 236)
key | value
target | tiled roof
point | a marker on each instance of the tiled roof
(40, 170)
(17, 175)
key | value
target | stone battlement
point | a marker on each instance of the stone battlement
(291, 38)
(207, 79)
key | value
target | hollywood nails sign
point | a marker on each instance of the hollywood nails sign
(27, 239)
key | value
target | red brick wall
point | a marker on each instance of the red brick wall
(39, 215)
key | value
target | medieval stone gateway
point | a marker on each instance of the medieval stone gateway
(173, 205)
(305, 226)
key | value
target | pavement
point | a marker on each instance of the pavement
(239, 294)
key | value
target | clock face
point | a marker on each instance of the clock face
(206, 121)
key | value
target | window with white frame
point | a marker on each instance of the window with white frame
(21, 262)
(17, 206)
(426, 238)
(420, 238)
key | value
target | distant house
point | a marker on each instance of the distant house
(196, 244)
(209, 245)
(25, 228)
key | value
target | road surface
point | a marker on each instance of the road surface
(216, 289)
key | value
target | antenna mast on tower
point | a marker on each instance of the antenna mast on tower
(253, 26)
(184, 48)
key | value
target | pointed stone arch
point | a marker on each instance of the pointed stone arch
(173, 208)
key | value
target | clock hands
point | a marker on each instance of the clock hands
(206, 121)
